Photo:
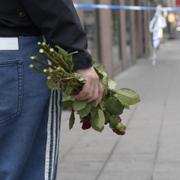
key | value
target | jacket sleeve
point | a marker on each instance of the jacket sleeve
(59, 23)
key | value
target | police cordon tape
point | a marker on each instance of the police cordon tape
(123, 7)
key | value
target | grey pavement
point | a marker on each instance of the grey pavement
(151, 148)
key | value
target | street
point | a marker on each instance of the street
(150, 150)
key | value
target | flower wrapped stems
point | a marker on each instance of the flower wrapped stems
(60, 74)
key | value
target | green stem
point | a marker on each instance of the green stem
(37, 60)
(37, 69)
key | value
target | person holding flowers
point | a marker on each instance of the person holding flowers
(29, 112)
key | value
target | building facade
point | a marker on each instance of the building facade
(170, 2)
(117, 38)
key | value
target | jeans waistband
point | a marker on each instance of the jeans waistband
(27, 47)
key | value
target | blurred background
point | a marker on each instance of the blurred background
(119, 31)
(120, 39)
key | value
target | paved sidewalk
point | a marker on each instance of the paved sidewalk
(151, 148)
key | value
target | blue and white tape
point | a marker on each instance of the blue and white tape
(122, 7)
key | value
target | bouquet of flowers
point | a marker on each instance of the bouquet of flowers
(61, 76)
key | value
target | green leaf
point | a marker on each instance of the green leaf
(121, 127)
(101, 118)
(66, 98)
(113, 106)
(100, 71)
(103, 76)
(102, 105)
(84, 112)
(79, 105)
(71, 120)
(111, 84)
(67, 104)
(105, 83)
(52, 85)
(61, 51)
(127, 97)
(107, 117)
(93, 118)
(113, 122)
(70, 62)
(97, 120)
(69, 89)
(79, 77)
(126, 106)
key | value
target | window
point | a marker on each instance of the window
(90, 22)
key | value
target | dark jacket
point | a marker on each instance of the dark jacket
(57, 20)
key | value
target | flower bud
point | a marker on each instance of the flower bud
(119, 118)
(32, 57)
(31, 66)
(118, 132)
(51, 50)
(41, 51)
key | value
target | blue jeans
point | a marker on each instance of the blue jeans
(29, 117)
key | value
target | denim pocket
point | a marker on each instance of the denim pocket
(10, 90)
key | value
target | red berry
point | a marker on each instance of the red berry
(118, 132)
(119, 118)
(86, 125)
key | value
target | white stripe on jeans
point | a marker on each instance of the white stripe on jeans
(48, 142)
(53, 135)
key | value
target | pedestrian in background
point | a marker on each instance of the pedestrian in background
(29, 112)
(156, 26)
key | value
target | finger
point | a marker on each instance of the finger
(92, 92)
(81, 95)
(100, 93)
(85, 92)
(95, 93)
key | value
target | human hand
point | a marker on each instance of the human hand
(93, 88)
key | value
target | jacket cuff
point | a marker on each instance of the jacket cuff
(82, 60)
